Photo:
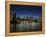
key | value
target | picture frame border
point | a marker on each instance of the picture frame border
(7, 18)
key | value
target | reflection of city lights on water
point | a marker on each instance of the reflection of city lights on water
(26, 26)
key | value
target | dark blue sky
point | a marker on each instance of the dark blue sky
(23, 10)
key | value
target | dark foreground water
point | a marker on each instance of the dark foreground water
(26, 27)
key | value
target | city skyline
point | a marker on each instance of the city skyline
(25, 18)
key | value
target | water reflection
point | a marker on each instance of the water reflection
(25, 26)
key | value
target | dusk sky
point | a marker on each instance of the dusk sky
(23, 10)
